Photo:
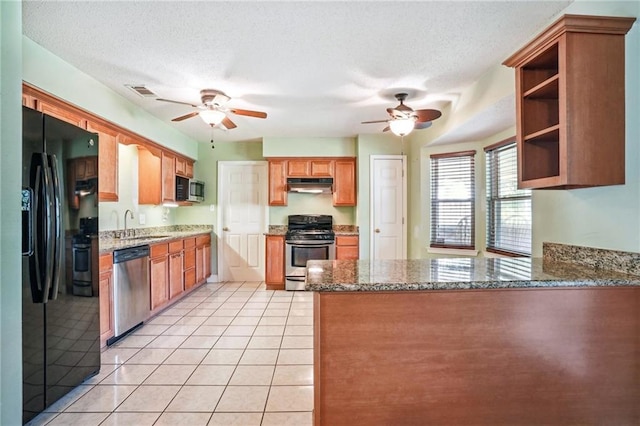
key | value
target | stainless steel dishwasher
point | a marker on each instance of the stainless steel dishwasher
(131, 289)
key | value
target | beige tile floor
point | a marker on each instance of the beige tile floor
(227, 354)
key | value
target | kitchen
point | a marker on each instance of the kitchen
(582, 217)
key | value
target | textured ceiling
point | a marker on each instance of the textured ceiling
(317, 68)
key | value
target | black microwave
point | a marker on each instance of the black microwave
(189, 190)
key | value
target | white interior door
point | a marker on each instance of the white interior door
(388, 207)
(242, 219)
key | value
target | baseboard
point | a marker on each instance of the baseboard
(213, 279)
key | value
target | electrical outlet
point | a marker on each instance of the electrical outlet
(212, 208)
(142, 219)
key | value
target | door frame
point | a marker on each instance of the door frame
(265, 207)
(372, 188)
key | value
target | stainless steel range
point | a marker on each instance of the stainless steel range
(309, 237)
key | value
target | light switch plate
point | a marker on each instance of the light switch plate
(142, 219)
(212, 208)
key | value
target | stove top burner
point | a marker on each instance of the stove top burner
(310, 227)
(303, 235)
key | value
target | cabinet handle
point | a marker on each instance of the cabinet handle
(225, 228)
(377, 230)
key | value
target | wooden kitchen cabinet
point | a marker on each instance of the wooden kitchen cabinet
(203, 258)
(149, 177)
(168, 177)
(274, 262)
(176, 274)
(298, 168)
(347, 247)
(159, 275)
(344, 182)
(570, 106)
(207, 260)
(107, 160)
(341, 169)
(181, 166)
(184, 167)
(277, 182)
(189, 263)
(106, 298)
(309, 167)
(321, 168)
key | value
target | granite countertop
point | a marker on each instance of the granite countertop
(457, 274)
(148, 236)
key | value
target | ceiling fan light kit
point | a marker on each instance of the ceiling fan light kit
(402, 126)
(213, 110)
(212, 117)
(403, 119)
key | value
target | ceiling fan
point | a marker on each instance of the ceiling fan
(213, 110)
(404, 119)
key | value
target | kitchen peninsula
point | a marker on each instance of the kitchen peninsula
(478, 340)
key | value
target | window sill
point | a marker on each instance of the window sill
(459, 252)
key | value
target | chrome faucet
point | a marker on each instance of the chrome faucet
(125, 221)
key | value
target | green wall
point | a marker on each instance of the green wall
(606, 217)
(309, 147)
(10, 225)
(368, 145)
(48, 72)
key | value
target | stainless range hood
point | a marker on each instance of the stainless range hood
(310, 185)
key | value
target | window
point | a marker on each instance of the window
(508, 208)
(453, 200)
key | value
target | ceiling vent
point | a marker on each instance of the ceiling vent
(141, 90)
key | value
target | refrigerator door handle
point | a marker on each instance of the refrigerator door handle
(57, 229)
(37, 291)
(49, 225)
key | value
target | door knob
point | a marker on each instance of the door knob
(225, 228)
(377, 230)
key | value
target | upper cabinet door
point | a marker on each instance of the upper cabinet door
(168, 177)
(344, 183)
(277, 182)
(107, 161)
(298, 168)
(320, 168)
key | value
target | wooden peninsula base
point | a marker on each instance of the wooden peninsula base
(552, 356)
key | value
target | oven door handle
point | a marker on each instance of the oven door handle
(296, 278)
(310, 245)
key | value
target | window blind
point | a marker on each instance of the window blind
(453, 200)
(508, 208)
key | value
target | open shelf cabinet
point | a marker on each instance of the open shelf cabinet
(570, 104)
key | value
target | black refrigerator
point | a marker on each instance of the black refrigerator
(60, 326)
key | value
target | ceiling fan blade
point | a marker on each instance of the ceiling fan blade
(249, 113)
(228, 123)
(386, 129)
(422, 125)
(374, 121)
(427, 114)
(177, 102)
(184, 117)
